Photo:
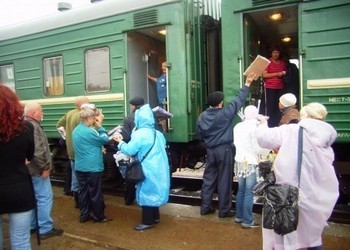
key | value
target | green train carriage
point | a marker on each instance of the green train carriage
(104, 51)
(319, 32)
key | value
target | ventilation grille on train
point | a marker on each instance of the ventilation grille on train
(261, 2)
(146, 18)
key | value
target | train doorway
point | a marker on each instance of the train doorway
(273, 27)
(146, 50)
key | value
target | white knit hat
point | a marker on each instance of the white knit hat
(251, 112)
(288, 100)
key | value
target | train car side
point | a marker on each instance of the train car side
(319, 44)
(125, 38)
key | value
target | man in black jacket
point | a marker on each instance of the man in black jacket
(214, 127)
(128, 127)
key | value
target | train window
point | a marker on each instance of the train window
(53, 76)
(97, 70)
(7, 76)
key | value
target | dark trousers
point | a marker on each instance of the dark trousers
(150, 215)
(272, 97)
(91, 199)
(218, 175)
(130, 192)
(68, 179)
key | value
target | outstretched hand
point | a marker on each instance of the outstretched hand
(250, 79)
(118, 137)
(262, 119)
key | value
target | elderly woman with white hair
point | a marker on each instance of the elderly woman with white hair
(88, 138)
(318, 191)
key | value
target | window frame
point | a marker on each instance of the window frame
(46, 77)
(107, 71)
(11, 85)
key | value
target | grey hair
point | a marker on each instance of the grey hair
(314, 110)
(31, 107)
(86, 112)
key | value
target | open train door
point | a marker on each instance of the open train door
(324, 61)
(145, 53)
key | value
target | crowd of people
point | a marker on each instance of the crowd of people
(318, 190)
(230, 149)
(254, 138)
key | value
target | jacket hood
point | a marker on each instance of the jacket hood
(320, 132)
(144, 117)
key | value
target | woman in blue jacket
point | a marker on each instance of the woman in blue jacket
(152, 192)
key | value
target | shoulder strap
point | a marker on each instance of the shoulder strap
(300, 152)
(151, 147)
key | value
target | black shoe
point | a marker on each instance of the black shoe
(53, 232)
(157, 221)
(210, 211)
(103, 220)
(140, 227)
(85, 220)
(230, 214)
(128, 203)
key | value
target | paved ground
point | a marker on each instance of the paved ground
(181, 227)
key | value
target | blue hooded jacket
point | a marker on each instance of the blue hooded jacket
(154, 190)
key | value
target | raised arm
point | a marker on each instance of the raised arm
(153, 79)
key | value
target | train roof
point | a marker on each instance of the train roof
(74, 16)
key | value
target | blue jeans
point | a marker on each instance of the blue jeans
(245, 199)
(19, 224)
(75, 182)
(43, 195)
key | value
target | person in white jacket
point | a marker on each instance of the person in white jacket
(247, 158)
(318, 182)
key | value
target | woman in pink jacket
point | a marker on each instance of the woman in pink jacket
(318, 183)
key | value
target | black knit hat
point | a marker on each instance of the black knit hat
(137, 101)
(215, 98)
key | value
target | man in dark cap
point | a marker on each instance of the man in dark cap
(128, 125)
(215, 98)
(214, 127)
(137, 102)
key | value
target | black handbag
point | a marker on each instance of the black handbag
(134, 172)
(265, 171)
(280, 207)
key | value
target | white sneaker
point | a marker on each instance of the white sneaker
(247, 226)
(239, 221)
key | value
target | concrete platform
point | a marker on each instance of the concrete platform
(181, 227)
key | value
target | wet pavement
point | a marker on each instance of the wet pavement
(180, 227)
